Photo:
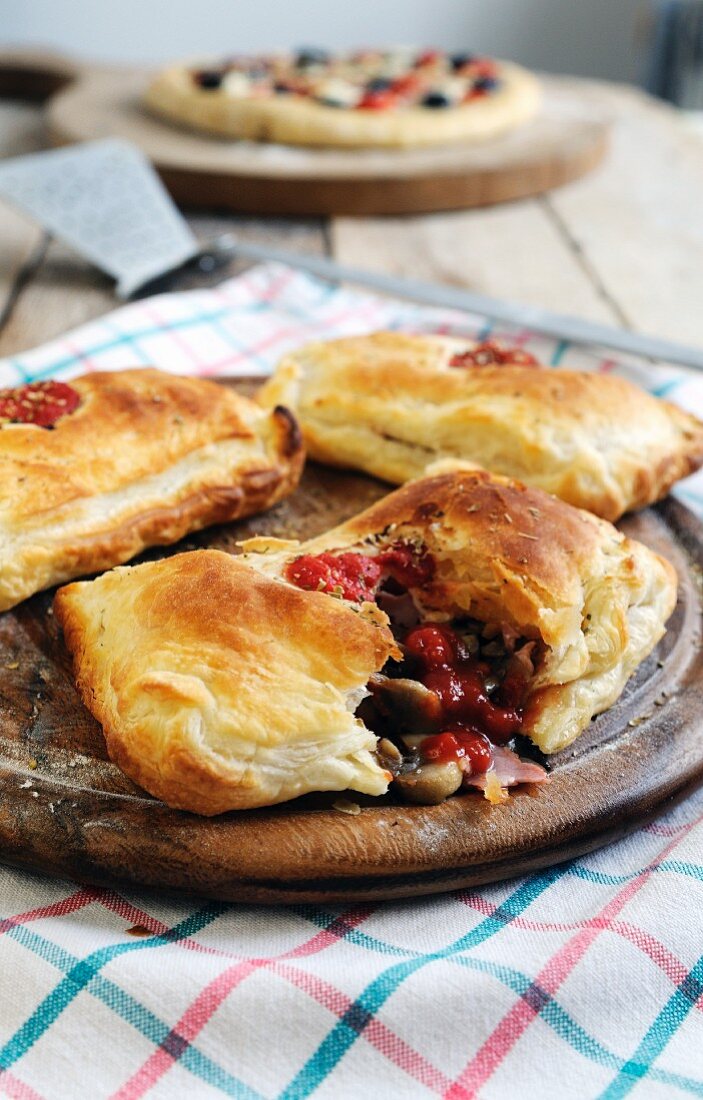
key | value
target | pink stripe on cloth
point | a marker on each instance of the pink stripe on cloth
(376, 1033)
(12, 1086)
(153, 315)
(495, 1050)
(667, 962)
(211, 997)
(279, 336)
(197, 1016)
(189, 1025)
(87, 362)
(57, 909)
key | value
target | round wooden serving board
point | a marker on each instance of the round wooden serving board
(65, 809)
(565, 141)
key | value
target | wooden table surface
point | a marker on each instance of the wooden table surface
(623, 245)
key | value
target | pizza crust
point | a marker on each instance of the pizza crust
(295, 120)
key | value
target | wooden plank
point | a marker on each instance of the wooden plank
(622, 244)
(64, 291)
(515, 251)
(638, 220)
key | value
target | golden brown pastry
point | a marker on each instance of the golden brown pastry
(220, 689)
(93, 471)
(226, 683)
(509, 565)
(371, 98)
(391, 404)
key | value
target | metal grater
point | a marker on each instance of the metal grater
(105, 200)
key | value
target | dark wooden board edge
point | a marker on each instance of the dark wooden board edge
(340, 889)
(363, 197)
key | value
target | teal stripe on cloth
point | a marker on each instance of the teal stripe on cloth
(121, 339)
(85, 974)
(658, 1035)
(676, 867)
(348, 1029)
(520, 983)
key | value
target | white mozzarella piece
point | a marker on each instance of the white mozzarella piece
(237, 84)
(339, 92)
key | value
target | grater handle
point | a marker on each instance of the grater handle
(192, 274)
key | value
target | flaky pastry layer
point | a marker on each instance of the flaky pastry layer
(391, 404)
(146, 458)
(218, 688)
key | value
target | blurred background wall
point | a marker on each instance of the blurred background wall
(586, 37)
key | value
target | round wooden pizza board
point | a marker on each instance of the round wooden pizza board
(565, 141)
(66, 810)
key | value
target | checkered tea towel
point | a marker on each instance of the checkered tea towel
(585, 980)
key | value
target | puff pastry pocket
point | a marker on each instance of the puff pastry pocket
(391, 404)
(94, 471)
(519, 617)
(218, 688)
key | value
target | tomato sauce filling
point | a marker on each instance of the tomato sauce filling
(456, 698)
(40, 403)
(490, 353)
(459, 681)
(356, 577)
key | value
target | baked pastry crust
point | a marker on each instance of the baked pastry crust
(218, 688)
(391, 404)
(144, 459)
(220, 685)
(295, 120)
(519, 558)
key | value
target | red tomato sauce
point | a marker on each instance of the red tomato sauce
(39, 403)
(351, 576)
(492, 354)
(471, 718)
(459, 744)
(355, 576)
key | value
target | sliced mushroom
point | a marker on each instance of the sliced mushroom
(389, 755)
(430, 783)
(411, 706)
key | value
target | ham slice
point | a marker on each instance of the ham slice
(506, 771)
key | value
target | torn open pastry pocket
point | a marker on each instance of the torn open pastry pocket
(218, 688)
(519, 618)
